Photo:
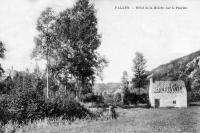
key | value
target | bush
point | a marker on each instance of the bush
(132, 98)
(25, 106)
(109, 99)
(90, 97)
(143, 98)
(117, 98)
(65, 108)
(30, 105)
(4, 112)
(195, 96)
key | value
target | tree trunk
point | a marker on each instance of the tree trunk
(47, 82)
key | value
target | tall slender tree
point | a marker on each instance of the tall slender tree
(46, 40)
(139, 65)
(124, 78)
(125, 88)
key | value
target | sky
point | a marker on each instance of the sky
(160, 34)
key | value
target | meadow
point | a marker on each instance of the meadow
(135, 120)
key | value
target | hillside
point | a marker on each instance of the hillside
(179, 69)
(174, 69)
(109, 87)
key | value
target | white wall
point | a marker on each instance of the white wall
(166, 99)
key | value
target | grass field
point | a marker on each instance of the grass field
(137, 120)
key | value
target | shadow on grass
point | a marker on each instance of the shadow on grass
(135, 106)
(194, 104)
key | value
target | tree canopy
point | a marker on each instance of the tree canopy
(2, 50)
(139, 65)
(124, 78)
(69, 41)
(2, 55)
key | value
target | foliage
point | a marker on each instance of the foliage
(139, 65)
(124, 78)
(143, 98)
(196, 80)
(69, 42)
(2, 50)
(138, 120)
(91, 97)
(25, 106)
(185, 68)
(195, 85)
(109, 99)
(4, 112)
(132, 98)
(6, 86)
(127, 95)
(118, 99)
(178, 69)
(176, 64)
(29, 105)
(66, 108)
(2, 55)
(24, 101)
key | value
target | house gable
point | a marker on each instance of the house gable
(167, 94)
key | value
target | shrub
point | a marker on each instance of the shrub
(91, 97)
(195, 96)
(109, 99)
(132, 98)
(4, 112)
(25, 106)
(30, 105)
(117, 98)
(143, 98)
(66, 108)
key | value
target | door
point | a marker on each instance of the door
(157, 103)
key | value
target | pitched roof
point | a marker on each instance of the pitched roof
(168, 86)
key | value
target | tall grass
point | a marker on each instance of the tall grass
(29, 110)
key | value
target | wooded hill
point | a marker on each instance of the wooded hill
(176, 69)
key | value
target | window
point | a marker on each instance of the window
(174, 102)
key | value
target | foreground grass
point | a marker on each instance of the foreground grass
(135, 120)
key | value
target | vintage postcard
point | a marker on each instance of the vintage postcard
(108, 66)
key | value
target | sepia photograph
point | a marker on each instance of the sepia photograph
(99, 66)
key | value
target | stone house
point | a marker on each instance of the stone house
(167, 93)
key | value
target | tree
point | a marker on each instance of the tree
(72, 40)
(2, 50)
(125, 87)
(195, 84)
(46, 40)
(79, 26)
(6, 86)
(124, 78)
(2, 55)
(139, 65)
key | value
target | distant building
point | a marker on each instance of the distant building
(167, 93)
